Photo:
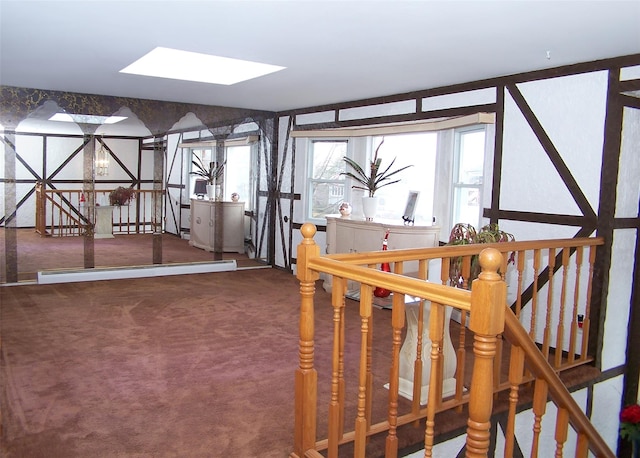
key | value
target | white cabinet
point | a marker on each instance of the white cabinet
(203, 225)
(349, 235)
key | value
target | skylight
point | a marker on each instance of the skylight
(86, 119)
(192, 66)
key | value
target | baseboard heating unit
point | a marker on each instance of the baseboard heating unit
(114, 273)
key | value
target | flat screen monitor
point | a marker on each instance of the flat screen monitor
(200, 187)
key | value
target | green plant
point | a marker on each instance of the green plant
(375, 179)
(465, 234)
(210, 172)
(121, 196)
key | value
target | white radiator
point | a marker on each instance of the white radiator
(113, 273)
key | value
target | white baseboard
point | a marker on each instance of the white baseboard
(113, 273)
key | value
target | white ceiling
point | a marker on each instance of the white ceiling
(334, 51)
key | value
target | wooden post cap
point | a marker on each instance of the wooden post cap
(490, 261)
(308, 230)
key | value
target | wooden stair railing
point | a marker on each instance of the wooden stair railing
(63, 218)
(488, 315)
(60, 212)
(547, 384)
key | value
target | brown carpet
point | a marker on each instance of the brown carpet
(37, 253)
(194, 365)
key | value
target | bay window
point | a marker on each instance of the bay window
(447, 173)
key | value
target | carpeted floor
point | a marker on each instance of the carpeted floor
(37, 253)
(194, 365)
(197, 365)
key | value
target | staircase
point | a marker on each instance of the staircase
(71, 212)
(59, 213)
(545, 330)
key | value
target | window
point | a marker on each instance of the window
(326, 186)
(419, 150)
(237, 176)
(447, 170)
(205, 155)
(468, 176)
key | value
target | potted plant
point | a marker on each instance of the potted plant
(121, 196)
(372, 179)
(464, 234)
(211, 172)
(630, 427)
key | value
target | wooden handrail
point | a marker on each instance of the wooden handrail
(541, 368)
(456, 297)
(140, 219)
(489, 315)
(453, 251)
(70, 220)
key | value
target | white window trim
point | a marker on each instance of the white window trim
(309, 181)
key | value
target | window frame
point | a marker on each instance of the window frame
(456, 185)
(359, 148)
(211, 151)
(311, 181)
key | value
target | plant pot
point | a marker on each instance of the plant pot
(369, 207)
(211, 191)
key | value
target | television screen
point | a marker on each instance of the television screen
(200, 187)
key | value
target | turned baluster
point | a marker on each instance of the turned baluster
(497, 361)
(562, 428)
(341, 382)
(534, 297)
(547, 326)
(540, 392)
(417, 365)
(563, 296)
(397, 323)
(361, 424)
(335, 406)
(576, 300)
(445, 277)
(520, 268)
(436, 324)
(586, 325)
(516, 371)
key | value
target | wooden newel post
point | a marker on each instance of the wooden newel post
(40, 209)
(306, 376)
(488, 302)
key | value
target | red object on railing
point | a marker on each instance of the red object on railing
(381, 292)
(82, 198)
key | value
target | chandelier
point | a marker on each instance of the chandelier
(102, 161)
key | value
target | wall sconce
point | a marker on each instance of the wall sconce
(102, 161)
